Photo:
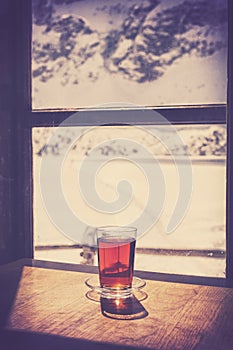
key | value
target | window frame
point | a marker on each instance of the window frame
(28, 118)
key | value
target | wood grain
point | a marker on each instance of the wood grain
(180, 316)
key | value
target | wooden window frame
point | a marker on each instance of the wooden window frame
(26, 119)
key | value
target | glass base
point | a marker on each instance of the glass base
(97, 292)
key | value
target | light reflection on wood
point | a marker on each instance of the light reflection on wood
(178, 315)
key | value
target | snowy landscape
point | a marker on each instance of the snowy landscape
(202, 228)
(148, 53)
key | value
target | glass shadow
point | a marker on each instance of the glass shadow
(123, 308)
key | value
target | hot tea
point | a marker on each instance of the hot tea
(116, 261)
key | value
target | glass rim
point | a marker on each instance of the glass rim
(115, 228)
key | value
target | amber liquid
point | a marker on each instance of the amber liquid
(116, 262)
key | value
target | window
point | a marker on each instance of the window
(148, 53)
(191, 112)
(94, 166)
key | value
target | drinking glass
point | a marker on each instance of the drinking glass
(116, 251)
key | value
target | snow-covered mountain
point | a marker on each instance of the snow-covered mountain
(150, 52)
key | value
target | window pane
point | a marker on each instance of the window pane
(148, 53)
(197, 246)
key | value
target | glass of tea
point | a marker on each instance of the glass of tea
(116, 250)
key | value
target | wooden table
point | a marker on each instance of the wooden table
(46, 308)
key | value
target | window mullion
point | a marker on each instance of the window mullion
(229, 267)
(180, 115)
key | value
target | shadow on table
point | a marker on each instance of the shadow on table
(10, 276)
(123, 308)
(11, 340)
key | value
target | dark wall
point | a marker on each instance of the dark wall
(7, 133)
(15, 187)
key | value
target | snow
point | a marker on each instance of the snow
(190, 79)
(203, 226)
